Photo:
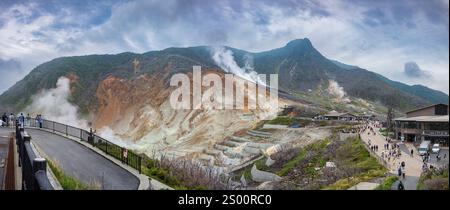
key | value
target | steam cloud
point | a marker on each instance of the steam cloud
(53, 104)
(224, 59)
(336, 90)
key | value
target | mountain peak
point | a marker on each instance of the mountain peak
(305, 42)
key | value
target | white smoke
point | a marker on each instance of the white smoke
(336, 90)
(53, 105)
(224, 59)
(109, 134)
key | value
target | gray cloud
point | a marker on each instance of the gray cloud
(364, 33)
(411, 69)
(11, 71)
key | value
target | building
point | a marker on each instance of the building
(428, 123)
(334, 115)
(365, 117)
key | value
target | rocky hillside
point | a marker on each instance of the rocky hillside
(299, 65)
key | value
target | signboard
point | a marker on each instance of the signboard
(435, 133)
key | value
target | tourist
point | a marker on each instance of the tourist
(403, 170)
(424, 167)
(21, 120)
(5, 119)
(39, 120)
(11, 120)
(400, 186)
(28, 123)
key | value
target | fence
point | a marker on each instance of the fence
(34, 168)
(120, 153)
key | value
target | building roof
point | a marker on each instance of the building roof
(425, 107)
(437, 118)
(336, 114)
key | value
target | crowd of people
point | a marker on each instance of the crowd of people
(9, 120)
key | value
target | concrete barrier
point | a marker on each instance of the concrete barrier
(263, 176)
(273, 126)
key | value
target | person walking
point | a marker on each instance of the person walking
(400, 186)
(403, 169)
(412, 152)
(41, 121)
(28, 122)
(21, 120)
(11, 120)
(5, 119)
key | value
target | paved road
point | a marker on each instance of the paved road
(78, 161)
(442, 153)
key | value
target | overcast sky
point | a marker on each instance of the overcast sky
(381, 36)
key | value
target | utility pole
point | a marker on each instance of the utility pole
(389, 119)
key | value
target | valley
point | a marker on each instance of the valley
(125, 98)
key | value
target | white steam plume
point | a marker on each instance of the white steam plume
(53, 105)
(336, 90)
(224, 59)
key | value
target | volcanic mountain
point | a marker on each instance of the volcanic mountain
(129, 93)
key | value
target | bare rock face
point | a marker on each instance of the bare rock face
(139, 110)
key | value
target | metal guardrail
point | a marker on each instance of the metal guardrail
(120, 153)
(34, 168)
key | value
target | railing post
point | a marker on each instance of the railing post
(139, 164)
(122, 154)
(39, 164)
(66, 131)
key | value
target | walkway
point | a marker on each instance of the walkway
(413, 164)
(83, 163)
(4, 145)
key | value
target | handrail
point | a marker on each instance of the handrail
(34, 168)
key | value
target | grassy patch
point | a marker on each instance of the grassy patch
(68, 182)
(385, 132)
(346, 183)
(292, 163)
(163, 175)
(261, 164)
(354, 157)
(281, 120)
(436, 179)
(387, 183)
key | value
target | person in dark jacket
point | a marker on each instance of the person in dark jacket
(5, 119)
(400, 186)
